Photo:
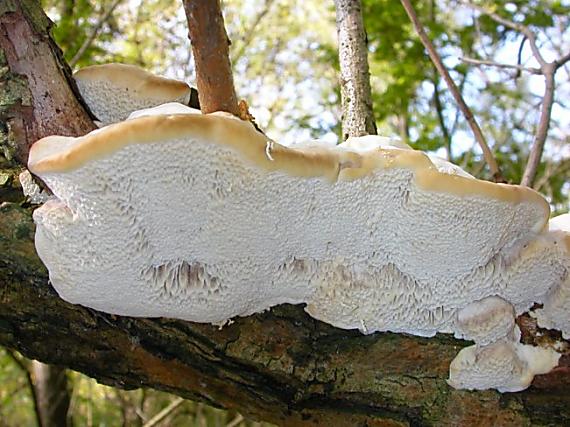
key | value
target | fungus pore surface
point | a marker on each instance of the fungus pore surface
(555, 313)
(505, 365)
(200, 217)
(113, 91)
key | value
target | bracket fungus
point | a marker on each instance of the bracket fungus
(200, 217)
(497, 360)
(113, 91)
(487, 321)
(555, 313)
(505, 365)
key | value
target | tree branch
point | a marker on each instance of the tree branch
(548, 69)
(519, 56)
(250, 32)
(543, 125)
(210, 46)
(236, 421)
(281, 366)
(356, 94)
(530, 70)
(487, 153)
(52, 393)
(34, 106)
(561, 61)
(164, 413)
(526, 31)
(30, 382)
(440, 117)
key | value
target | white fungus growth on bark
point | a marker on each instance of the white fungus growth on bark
(177, 214)
(32, 190)
(504, 365)
(486, 321)
(555, 313)
(113, 91)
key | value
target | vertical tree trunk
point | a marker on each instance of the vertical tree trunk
(210, 46)
(52, 394)
(36, 100)
(31, 105)
(356, 95)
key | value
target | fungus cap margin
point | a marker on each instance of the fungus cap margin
(61, 154)
(113, 91)
(130, 76)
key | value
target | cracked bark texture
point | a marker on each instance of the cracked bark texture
(356, 95)
(280, 366)
(31, 105)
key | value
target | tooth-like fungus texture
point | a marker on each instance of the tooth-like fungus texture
(113, 91)
(200, 217)
(505, 365)
(555, 313)
(486, 321)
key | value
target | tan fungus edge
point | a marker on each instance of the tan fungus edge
(62, 154)
(130, 76)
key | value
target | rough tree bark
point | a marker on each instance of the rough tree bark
(210, 47)
(281, 366)
(31, 107)
(356, 95)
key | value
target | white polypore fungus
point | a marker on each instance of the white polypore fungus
(555, 313)
(486, 321)
(32, 190)
(186, 216)
(113, 91)
(504, 365)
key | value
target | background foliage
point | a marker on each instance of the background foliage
(285, 66)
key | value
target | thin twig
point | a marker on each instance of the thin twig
(439, 110)
(519, 57)
(563, 60)
(250, 33)
(30, 382)
(548, 69)
(164, 413)
(94, 33)
(474, 61)
(487, 153)
(543, 125)
(524, 30)
(236, 421)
